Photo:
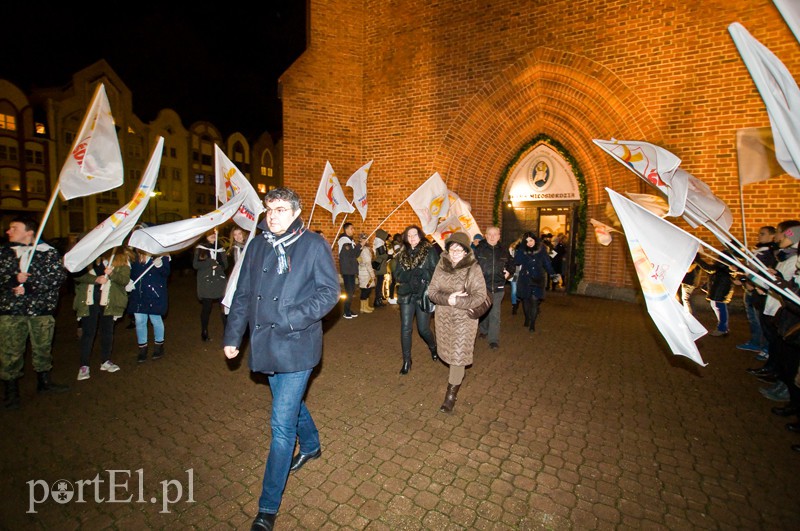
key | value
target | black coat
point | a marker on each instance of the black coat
(284, 311)
(495, 262)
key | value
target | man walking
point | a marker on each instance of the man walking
(348, 265)
(288, 283)
(497, 267)
(27, 304)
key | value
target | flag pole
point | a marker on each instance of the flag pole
(390, 215)
(335, 239)
(741, 206)
(45, 217)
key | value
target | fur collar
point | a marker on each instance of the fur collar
(448, 267)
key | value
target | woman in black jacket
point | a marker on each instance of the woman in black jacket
(413, 267)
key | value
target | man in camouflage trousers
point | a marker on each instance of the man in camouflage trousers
(27, 304)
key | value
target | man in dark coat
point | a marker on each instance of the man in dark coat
(496, 265)
(288, 283)
(348, 266)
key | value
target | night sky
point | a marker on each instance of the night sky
(206, 64)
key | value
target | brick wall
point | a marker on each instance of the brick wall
(458, 87)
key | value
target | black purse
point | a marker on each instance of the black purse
(425, 304)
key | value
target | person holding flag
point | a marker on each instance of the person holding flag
(27, 306)
(210, 261)
(148, 300)
(101, 299)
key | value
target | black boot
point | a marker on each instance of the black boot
(204, 336)
(45, 385)
(406, 365)
(11, 394)
(434, 354)
(142, 357)
(514, 308)
(158, 350)
(450, 398)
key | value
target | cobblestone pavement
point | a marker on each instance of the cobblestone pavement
(590, 423)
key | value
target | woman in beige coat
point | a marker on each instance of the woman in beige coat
(457, 285)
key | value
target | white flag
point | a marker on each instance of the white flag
(113, 231)
(602, 232)
(457, 205)
(358, 182)
(703, 204)
(430, 201)
(780, 93)
(330, 195)
(661, 254)
(233, 278)
(652, 163)
(790, 9)
(231, 183)
(457, 223)
(94, 163)
(171, 237)
(653, 203)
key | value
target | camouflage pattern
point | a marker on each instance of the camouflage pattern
(42, 287)
(15, 331)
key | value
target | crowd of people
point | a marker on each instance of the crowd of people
(773, 319)
(289, 282)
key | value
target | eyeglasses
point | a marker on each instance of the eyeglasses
(278, 211)
(457, 250)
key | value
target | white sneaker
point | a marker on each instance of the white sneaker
(83, 373)
(109, 366)
(391, 301)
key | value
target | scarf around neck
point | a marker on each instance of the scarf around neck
(280, 243)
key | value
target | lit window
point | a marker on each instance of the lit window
(263, 171)
(131, 131)
(40, 128)
(8, 122)
(262, 188)
(269, 172)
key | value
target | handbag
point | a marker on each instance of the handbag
(478, 311)
(425, 304)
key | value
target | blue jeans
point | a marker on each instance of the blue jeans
(754, 319)
(141, 327)
(513, 291)
(290, 421)
(721, 311)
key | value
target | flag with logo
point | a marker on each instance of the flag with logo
(652, 163)
(113, 231)
(330, 195)
(780, 93)
(703, 205)
(94, 162)
(661, 255)
(230, 183)
(358, 182)
(430, 202)
(602, 232)
(172, 237)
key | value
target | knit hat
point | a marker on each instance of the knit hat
(382, 234)
(793, 233)
(478, 237)
(459, 238)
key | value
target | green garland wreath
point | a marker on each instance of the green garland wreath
(580, 230)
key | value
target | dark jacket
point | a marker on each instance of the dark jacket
(413, 269)
(42, 287)
(495, 262)
(720, 282)
(211, 276)
(284, 311)
(149, 296)
(535, 263)
(348, 256)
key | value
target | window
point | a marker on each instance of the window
(35, 185)
(10, 182)
(8, 122)
(13, 153)
(206, 160)
(108, 198)
(135, 175)
(34, 156)
(173, 153)
(40, 128)
(131, 131)
(3, 152)
(195, 156)
(201, 199)
(199, 178)
(266, 172)
(262, 188)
